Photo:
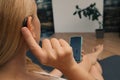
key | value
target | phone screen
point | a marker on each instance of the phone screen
(76, 44)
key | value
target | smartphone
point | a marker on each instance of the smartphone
(76, 44)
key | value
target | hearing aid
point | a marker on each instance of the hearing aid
(24, 24)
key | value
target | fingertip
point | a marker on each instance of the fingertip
(25, 32)
(61, 40)
(53, 39)
(24, 29)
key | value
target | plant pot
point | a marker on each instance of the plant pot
(99, 33)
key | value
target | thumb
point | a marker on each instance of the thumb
(32, 44)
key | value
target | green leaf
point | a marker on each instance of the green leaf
(85, 13)
(77, 7)
(75, 13)
(79, 13)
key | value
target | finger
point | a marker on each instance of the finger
(64, 43)
(34, 47)
(55, 44)
(46, 44)
(66, 47)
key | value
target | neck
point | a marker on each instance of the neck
(15, 67)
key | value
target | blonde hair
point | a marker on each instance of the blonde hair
(12, 14)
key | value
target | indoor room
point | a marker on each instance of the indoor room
(59, 39)
(96, 21)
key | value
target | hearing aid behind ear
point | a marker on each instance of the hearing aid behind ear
(24, 24)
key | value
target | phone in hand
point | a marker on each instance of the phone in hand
(76, 44)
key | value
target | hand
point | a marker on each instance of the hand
(96, 71)
(55, 53)
(58, 54)
(90, 64)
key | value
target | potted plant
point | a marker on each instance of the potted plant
(92, 13)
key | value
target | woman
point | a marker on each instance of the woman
(14, 45)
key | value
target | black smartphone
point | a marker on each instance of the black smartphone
(76, 44)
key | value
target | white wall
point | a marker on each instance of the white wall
(65, 21)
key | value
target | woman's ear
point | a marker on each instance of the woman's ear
(30, 26)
